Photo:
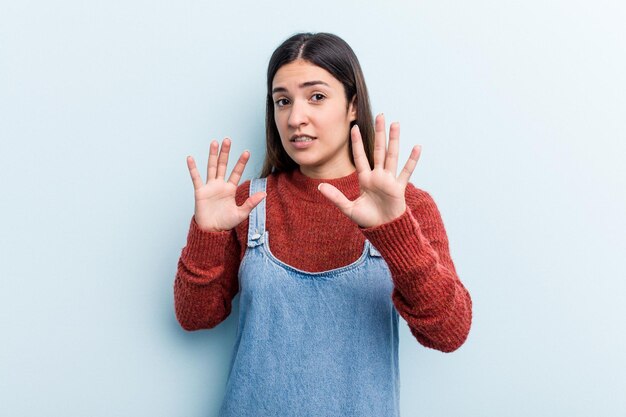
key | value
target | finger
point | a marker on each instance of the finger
(336, 197)
(358, 152)
(211, 168)
(235, 176)
(380, 141)
(406, 172)
(250, 203)
(193, 171)
(391, 161)
(222, 161)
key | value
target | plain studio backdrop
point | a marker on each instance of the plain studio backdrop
(520, 109)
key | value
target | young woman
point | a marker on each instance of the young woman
(325, 249)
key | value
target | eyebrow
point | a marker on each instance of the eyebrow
(303, 85)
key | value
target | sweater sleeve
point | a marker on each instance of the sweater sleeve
(206, 279)
(207, 275)
(427, 291)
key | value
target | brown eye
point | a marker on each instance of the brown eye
(318, 97)
(281, 102)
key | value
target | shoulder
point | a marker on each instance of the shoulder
(421, 203)
(416, 196)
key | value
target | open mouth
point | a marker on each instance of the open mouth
(302, 138)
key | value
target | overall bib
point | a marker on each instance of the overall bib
(321, 344)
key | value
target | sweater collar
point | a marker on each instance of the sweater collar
(306, 187)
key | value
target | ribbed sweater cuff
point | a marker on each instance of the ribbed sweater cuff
(205, 248)
(402, 245)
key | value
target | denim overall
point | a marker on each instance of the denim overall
(321, 344)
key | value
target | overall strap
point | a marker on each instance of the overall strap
(256, 225)
(372, 250)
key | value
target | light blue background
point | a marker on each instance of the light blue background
(520, 108)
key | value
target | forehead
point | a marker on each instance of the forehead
(293, 74)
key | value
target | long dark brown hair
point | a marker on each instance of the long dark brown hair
(333, 54)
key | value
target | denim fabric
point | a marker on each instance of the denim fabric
(312, 344)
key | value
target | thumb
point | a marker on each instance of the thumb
(336, 197)
(250, 203)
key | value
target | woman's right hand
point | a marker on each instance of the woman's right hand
(216, 209)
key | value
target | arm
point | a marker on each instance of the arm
(206, 278)
(427, 291)
(404, 224)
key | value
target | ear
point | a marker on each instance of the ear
(352, 113)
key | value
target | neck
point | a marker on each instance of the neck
(327, 172)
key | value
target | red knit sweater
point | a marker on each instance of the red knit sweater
(309, 233)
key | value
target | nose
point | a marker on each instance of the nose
(298, 115)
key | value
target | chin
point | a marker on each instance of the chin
(304, 160)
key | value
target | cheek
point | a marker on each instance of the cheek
(278, 124)
(340, 115)
(280, 118)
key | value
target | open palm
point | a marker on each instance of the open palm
(215, 205)
(382, 193)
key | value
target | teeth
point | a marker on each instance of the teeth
(303, 139)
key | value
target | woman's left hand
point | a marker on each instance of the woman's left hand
(382, 193)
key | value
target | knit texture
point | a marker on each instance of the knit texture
(309, 233)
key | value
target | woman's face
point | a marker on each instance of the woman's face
(313, 119)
